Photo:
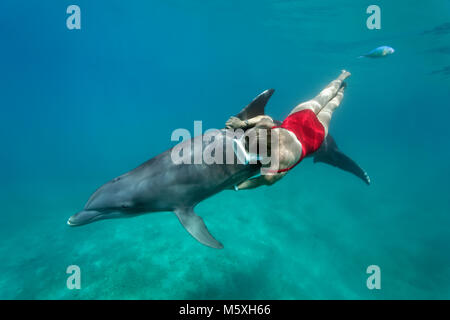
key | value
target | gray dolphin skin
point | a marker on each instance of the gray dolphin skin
(162, 185)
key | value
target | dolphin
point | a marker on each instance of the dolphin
(162, 185)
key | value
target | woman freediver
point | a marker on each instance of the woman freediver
(300, 134)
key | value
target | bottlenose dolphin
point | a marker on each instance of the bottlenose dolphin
(161, 185)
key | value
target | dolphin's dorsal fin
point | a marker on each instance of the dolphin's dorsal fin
(329, 153)
(256, 107)
(196, 227)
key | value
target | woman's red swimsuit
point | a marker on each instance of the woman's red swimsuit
(308, 130)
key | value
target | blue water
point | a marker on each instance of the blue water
(79, 107)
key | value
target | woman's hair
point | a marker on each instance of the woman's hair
(258, 140)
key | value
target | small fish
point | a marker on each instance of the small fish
(379, 52)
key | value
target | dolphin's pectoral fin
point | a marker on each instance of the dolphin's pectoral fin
(196, 227)
(257, 106)
(330, 154)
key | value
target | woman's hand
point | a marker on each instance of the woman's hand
(234, 123)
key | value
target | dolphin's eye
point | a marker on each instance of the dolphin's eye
(116, 179)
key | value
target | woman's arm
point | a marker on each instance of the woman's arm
(236, 123)
(263, 180)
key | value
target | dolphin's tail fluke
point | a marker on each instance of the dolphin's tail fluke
(196, 227)
(330, 154)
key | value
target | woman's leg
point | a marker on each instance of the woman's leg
(330, 92)
(327, 94)
(324, 116)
